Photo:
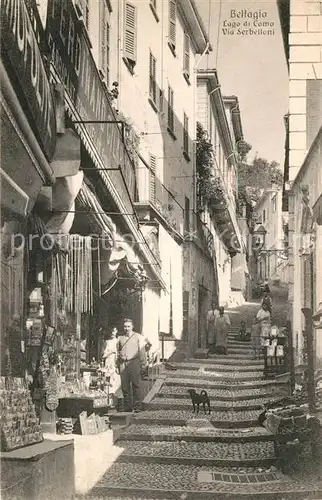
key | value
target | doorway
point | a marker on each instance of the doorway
(202, 314)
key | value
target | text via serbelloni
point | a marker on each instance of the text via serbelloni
(248, 22)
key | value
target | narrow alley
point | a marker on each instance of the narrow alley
(168, 452)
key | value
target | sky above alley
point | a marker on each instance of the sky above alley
(252, 67)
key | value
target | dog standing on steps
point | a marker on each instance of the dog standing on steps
(198, 399)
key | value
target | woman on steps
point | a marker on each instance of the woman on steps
(222, 327)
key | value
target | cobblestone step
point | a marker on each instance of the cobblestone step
(184, 404)
(219, 367)
(174, 481)
(233, 356)
(226, 419)
(197, 453)
(204, 433)
(212, 375)
(223, 360)
(223, 394)
(203, 383)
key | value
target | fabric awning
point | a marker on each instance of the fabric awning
(117, 256)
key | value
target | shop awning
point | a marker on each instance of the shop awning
(118, 258)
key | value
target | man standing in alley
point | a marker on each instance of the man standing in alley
(211, 317)
(222, 327)
(132, 363)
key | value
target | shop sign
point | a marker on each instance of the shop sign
(20, 48)
(73, 62)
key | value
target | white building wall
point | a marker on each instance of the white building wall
(305, 41)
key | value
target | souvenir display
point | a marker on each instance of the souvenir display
(52, 390)
(19, 423)
(65, 426)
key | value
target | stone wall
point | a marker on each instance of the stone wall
(305, 87)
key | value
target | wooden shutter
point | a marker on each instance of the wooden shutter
(105, 42)
(172, 22)
(152, 78)
(186, 214)
(186, 55)
(313, 109)
(152, 178)
(185, 133)
(170, 109)
(130, 32)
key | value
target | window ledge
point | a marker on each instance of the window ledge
(186, 156)
(171, 132)
(186, 76)
(173, 49)
(154, 12)
(130, 65)
(153, 105)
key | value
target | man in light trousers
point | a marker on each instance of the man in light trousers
(132, 362)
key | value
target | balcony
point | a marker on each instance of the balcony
(155, 202)
(200, 234)
(222, 205)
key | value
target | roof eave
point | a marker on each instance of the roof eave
(195, 22)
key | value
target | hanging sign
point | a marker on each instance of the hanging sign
(20, 49)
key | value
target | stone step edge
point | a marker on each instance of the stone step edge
(209, 378)
(249, 385)
(243, 397)
(180, 494)
(220, 424)
(195, 438)
(213, 368)
(216, 408)
(211, 462)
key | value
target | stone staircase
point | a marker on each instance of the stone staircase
(171, 453)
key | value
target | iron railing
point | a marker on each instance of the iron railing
(152, 191)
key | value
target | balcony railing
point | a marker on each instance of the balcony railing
(200, 234)
(152, 192)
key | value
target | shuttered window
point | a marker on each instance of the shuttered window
(170, 109)
(186, 55)
(185, 133)
(130, 33)
(105, 43)
(313, 109)
(152, 78)
(172, 23)
(186, 214)
(152, 178)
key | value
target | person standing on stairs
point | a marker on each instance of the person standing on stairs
(132, 363)
(212, 314)
(264, 319)
(222, 327)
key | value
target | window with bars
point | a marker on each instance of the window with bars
(152, 78)
(170, 109)
(152, 178)
(130, 33)
(185, 133)
(105, 42)
(172, 23)
(186, 56)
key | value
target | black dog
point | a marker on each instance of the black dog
(198, 399)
